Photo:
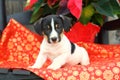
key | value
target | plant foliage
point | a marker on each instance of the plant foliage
(83, 10)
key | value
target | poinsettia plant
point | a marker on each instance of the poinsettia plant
(81, 10)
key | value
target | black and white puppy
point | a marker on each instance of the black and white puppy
(55, 44)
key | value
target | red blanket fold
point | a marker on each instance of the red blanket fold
(19, 48)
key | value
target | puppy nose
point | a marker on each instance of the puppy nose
(54, 39)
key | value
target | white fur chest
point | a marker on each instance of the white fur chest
(56, 49)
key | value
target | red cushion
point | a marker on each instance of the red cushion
(84, 33)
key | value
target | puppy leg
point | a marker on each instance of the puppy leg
(58, 62)
(85, 59)
(39, 61)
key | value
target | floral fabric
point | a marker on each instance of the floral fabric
(19, 48)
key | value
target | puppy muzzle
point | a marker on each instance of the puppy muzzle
(54, 40)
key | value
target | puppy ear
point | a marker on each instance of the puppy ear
(66, 23)
(38, 26)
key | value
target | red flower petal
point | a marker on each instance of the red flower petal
(75, 7)
(30, 4)
(28, 7)
(51, 2)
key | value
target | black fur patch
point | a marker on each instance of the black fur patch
(72, 48)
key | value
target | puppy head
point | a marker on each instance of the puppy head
(52, 27)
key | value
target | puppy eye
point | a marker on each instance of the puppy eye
(57, 26)
(48, 27)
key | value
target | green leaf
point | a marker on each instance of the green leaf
(118, 15)
(115, 6)
(97, 19)
(87, 13)
(37, 11)
(36, 16)
(49, 10)
(42, 11)
(107, 7)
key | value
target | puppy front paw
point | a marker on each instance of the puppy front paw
(55, 67)
(34, 66)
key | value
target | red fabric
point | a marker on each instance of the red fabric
(84, 33)
(19, 48)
